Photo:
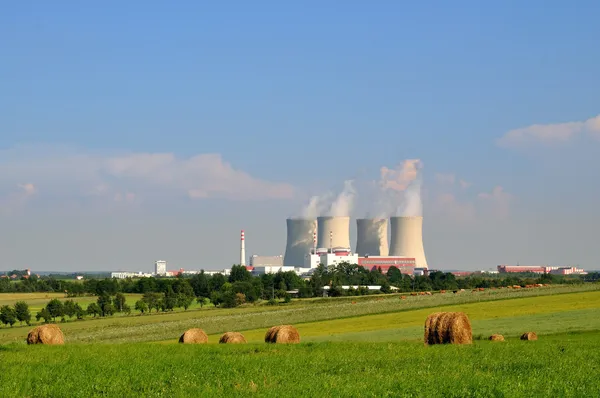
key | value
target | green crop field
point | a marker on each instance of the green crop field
(555, 366)
(367, 346)
(37, 301)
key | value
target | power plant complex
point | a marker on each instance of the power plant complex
(326, 240)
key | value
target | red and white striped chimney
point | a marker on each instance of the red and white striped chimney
(242, 249)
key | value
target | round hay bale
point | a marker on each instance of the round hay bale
(283, 334)
(529, 336)
(46, 334)
(232, 338)
(271, 333)
(497, 337)
(448, 328)
(194, 336)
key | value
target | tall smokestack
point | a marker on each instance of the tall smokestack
(242, 249)
(299, 233)
(407, 239)
(372, 236)
(333, 231)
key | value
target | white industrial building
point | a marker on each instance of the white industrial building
(160, 267)
(407, 239)
(125, 274)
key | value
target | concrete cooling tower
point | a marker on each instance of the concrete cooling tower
(340, 232)
(372, 236)
(299, 240)
(407, 239)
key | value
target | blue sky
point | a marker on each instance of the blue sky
(295, 98)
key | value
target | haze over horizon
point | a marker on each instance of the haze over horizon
(138, 131)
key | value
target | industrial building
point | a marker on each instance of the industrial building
(406, 265)
(372, 237)
(330, 244)
(406, 239)
(266, 264)
(160, 267)
(125, 275)
(299, 240)
(541, 269)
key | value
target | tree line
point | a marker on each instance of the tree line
(219, 288)
(240, 287)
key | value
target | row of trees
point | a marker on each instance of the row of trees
(270, 286)
(9, 315)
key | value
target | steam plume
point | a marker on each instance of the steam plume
(400, 189)
(412, 205)
(343, 203)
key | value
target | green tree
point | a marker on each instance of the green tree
(8, 315)
(70, 309)
(239, 273)
(119, 302)
(105, 303)
(44, 313)
(94, 309)
(22, 311)
(141, 306)
(109, 309)
(55, 308)
(229, 299)
(184, 300)
(201, 300)
(126, 309)
(153, 300)
(79, 312)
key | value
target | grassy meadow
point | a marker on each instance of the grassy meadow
(366, 346)
(169, 326)
(554, 366)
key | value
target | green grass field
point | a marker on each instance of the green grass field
(372, 347)
(169, 326)
(554, 366)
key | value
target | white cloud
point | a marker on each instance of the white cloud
(64, 172)
(399, 178)
(17, 196)
(550, 133)
(464, 184)
(499, 200)
(460, 211)
(452, 200)
(445, 178)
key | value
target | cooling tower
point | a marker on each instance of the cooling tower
(407, 239)
(339, 227)
(299, 240)
(372, 236)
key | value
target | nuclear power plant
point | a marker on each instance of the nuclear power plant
(407, 239)
(326, 241)
(333, 232)
(300, 234)
(372, 237)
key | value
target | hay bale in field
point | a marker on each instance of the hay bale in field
(448, 328)
(194, 336)
(497, 337)
(46, 334)
(283, 334)
(232, 338)
(402, 297)
(442, 291)
(529, 336)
